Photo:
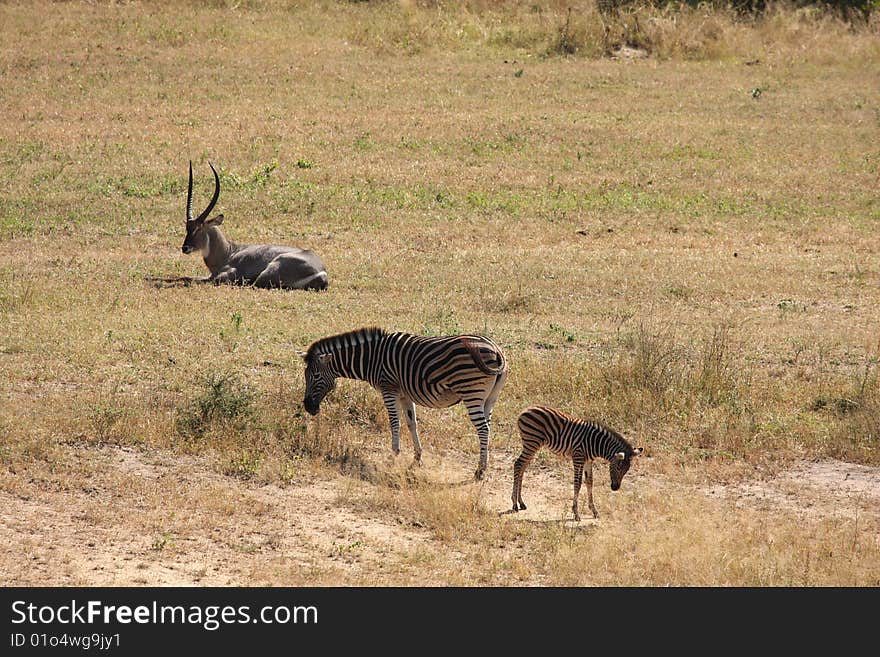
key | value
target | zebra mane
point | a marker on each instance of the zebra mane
(332, 342)
(625, 445)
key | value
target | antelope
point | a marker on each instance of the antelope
(260, 265)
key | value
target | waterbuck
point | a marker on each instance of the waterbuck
(260, 265)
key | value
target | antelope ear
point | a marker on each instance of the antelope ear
(214, 220)
(324, 358)
(620, 456)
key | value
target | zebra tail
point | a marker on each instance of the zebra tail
(474, 351)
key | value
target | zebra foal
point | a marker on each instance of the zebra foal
(435, 372)
(581, 440)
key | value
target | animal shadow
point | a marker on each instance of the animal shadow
(179, 281)
(585, 524)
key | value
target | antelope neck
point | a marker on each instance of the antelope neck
(217, 251)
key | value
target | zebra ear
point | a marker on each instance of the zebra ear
(638, 450)
(620, 456)
(302, 354)
(324, 358)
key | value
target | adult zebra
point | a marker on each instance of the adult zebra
(581, 440)
(435, 372)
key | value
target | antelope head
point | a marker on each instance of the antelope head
(197, 229)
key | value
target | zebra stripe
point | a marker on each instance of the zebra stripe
(581, 440)
(410, 370)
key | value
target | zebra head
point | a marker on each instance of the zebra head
(619, 465)
(320, 380)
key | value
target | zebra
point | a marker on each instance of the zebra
(581, 440)
(435, 372)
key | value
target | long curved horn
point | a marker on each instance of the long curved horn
(189, 195)
(214, 198)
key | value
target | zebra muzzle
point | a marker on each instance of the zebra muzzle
(311, 406)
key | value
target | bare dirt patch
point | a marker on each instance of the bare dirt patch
(828, 487)
(121, 516)
(148, 517)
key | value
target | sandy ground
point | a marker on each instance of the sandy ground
(151, 517)
(829, 487)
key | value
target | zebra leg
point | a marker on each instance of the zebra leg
(477, 415)
(486, 410)
(391, 405)
(409, 412)
(588, 471)
(519, 468)
(578, 473)
(489, 404)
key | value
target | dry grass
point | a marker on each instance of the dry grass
(682, 245)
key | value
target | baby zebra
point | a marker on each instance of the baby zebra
(583, 441)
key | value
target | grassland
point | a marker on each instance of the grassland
(682, 244)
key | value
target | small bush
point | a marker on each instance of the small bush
(856, 409)
(646, 361)
(714, 379)
(222, 400)
(109, 422)
(332, 446)
(244, 465)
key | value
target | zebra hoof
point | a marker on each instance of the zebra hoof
(522, 505)
(478, 475)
